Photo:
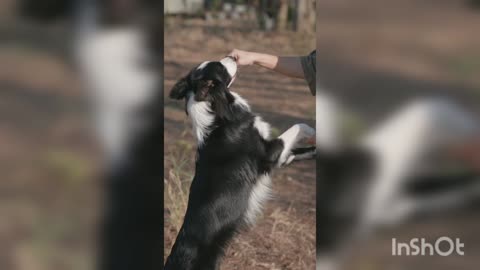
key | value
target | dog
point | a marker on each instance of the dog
(391, 176)
(118, 48)
(235, 158)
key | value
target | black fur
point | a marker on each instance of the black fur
(228, 165)
(342, 178)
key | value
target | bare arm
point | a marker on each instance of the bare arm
(286, 65)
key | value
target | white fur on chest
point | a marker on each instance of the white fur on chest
(202, 118)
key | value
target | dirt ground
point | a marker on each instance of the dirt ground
(284, 238)
(48, 160)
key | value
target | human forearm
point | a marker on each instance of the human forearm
(288, 65)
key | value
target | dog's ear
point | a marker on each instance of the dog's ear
(222, 89)
(204, 88)
(179, 90)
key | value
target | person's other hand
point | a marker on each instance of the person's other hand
(243, 58)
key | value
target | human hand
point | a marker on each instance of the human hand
(243, 58)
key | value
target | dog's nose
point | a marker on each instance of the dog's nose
(228, 59)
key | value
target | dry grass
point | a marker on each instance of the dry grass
(179, 167)
(284, 240)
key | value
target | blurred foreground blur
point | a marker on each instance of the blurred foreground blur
(49, 161)
(67, 196)
(403, 79)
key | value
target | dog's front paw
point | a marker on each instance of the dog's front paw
(303, 153)
(286, 160)
(292, 138)
(297, 154)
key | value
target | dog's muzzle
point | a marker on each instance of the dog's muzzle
(231, 65)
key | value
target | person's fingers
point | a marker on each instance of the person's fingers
(241, 57)
(234, 54)
(289, 160)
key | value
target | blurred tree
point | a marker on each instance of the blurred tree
(282, 16)
(304, 19)
(474, 3)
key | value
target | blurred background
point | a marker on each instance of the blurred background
(49, 193)
(58, 210)
(376, 56)
(196, 31)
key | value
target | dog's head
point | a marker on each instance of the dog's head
(209, 82)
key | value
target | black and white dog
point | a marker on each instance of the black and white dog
(118, 45)
(235, 157)
(391, 176)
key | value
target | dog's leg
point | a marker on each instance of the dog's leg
(450, 199)
(406, 207)
(304, 153)
(290, 139)
(399, 146)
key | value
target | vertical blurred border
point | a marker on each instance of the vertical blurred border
(61, 208)
(380, 60)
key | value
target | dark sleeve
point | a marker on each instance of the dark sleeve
(310, 70)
